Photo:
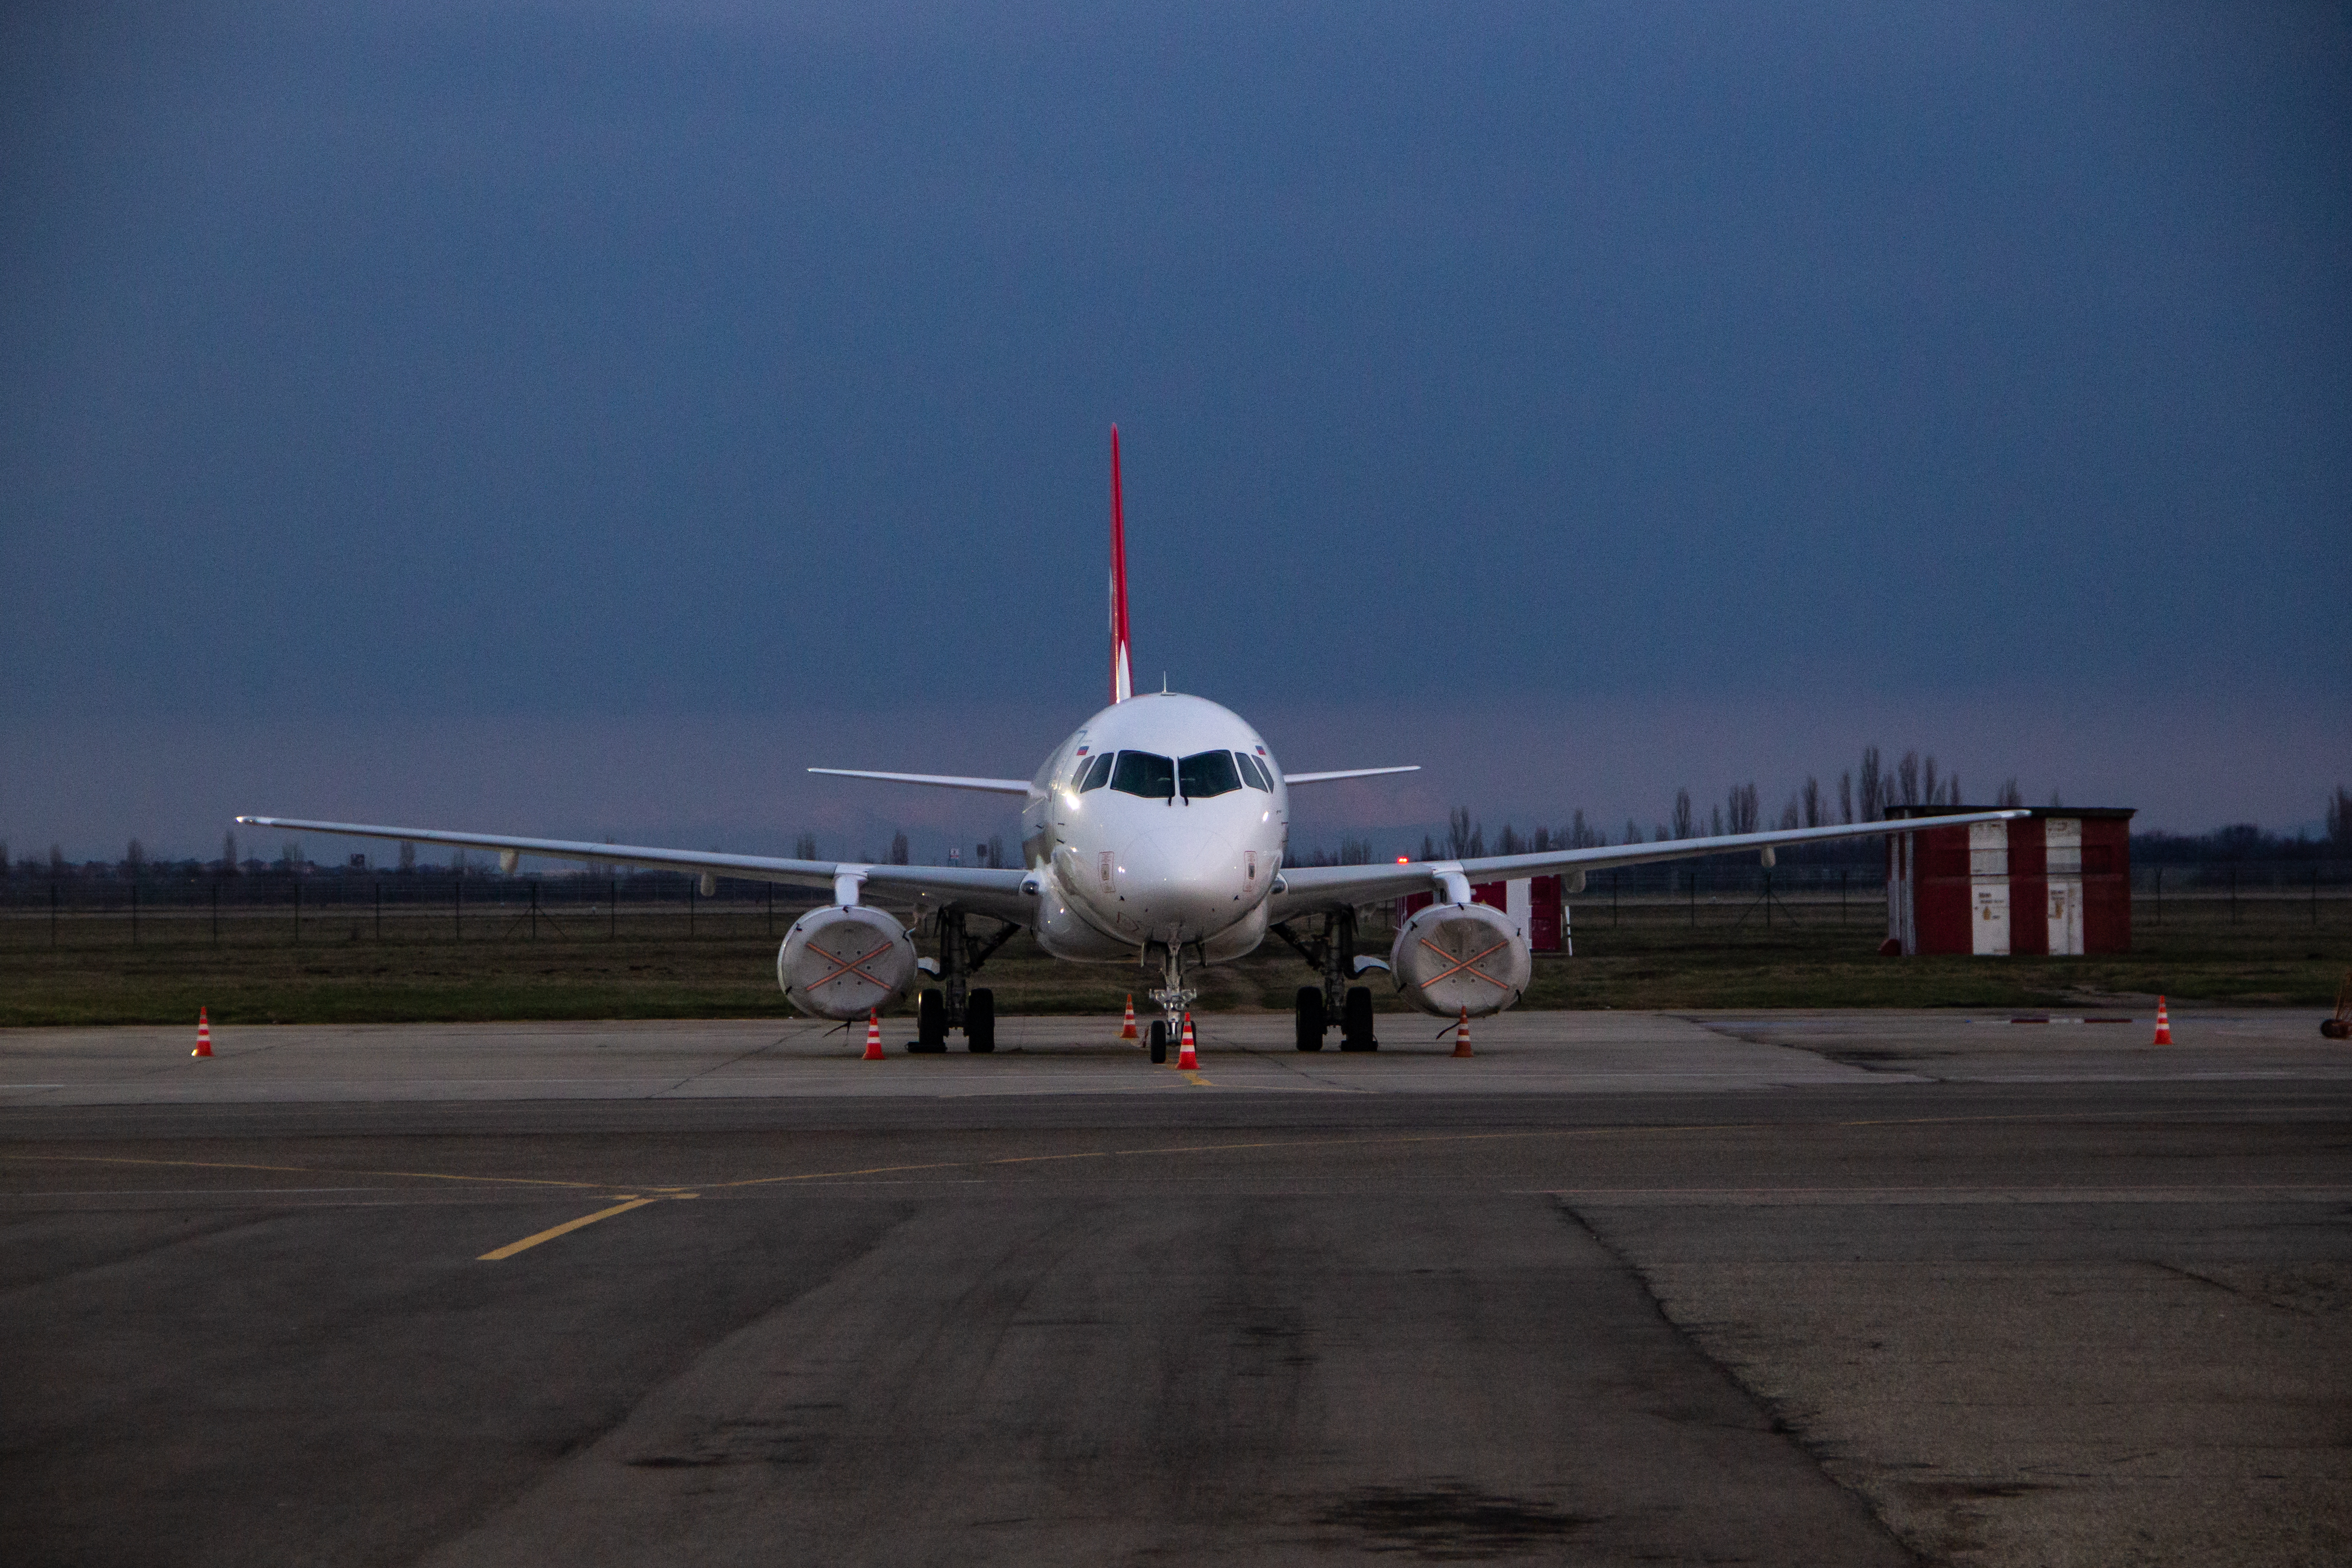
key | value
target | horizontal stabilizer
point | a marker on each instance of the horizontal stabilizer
(942, 780)
(1347, 773)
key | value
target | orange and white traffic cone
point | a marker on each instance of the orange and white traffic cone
(203, 1033)
(1187, 1061)
(1127, 1032)
(2163, 1024)
(873, 1035)
(1461, 1035)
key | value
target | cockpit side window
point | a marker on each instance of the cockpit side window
(1096, 774)
(1142, 773)
(1207, 773)
(1253, 771)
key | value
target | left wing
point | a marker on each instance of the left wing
(1002, 893)
(1302, 888)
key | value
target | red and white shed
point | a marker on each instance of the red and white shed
(1536, 907)
(2056, 882)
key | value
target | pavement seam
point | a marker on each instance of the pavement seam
(1777, 1420)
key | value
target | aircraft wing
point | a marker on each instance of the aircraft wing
(1305, 888)
(988, 891)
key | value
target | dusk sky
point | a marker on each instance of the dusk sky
(579, 419)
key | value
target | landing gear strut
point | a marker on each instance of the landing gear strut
(1335, 1001)
(958, 1004)
(1174, 996)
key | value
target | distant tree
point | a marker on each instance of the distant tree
(1508, 842)
(1952, 790)
(898, 848)
(57, 860)
(3, 857)
(2011, 795)
(1582, 835)
(1812, 796)
(1714, 827)
(1465, 840)
(407, 858)
(1661, 836)
(1355, 852)
(1907, 775)
(2237, 840)
(2339, 821)
(228, 854)
(1633, 831)
(804, 847)
(457, 863)
(134, 858)
(1846, 796)
(1792, 815)
(2054, 801)
(1741, 811)
(1929, 790)
(1872, 783)
(1685, 823)
(1429, 850)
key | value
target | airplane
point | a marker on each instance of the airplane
(1157, 834)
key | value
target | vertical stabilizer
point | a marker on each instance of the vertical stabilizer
(1122, 678)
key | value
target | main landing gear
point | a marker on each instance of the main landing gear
(957, 1003)
(1335, 1001)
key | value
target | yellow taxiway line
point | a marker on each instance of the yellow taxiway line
(566, 1229)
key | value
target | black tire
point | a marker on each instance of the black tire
(980, 1020)
(930, 1023)
(1355, 1020)
(1310, 1018)
(1159, 1043)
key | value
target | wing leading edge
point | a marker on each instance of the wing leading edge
(1329, 886)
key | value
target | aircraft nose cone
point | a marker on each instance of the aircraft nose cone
(1176, 896)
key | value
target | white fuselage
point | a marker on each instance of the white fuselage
(1175, 841)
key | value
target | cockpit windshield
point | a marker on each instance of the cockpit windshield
(1142, 773)
(1253, 771)
(1095, 774)
(1207, 773)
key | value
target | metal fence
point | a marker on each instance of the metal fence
(174, 905)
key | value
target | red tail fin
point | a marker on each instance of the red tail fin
(1122, 678)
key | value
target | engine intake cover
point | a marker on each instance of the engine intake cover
(842, 963)
(1451, 957)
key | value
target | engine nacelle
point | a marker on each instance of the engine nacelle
(1451, 957)
(842, 963)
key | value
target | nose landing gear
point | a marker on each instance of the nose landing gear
(1174, 996)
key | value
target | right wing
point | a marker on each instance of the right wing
(1329, 887)
(1000, 893)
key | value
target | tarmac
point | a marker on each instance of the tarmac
(1872, 1288)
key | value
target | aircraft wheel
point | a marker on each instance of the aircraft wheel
(980, 1020)
(1310, 1018)
(930, 1022)
(1355, 1020)
(1159, 1043)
